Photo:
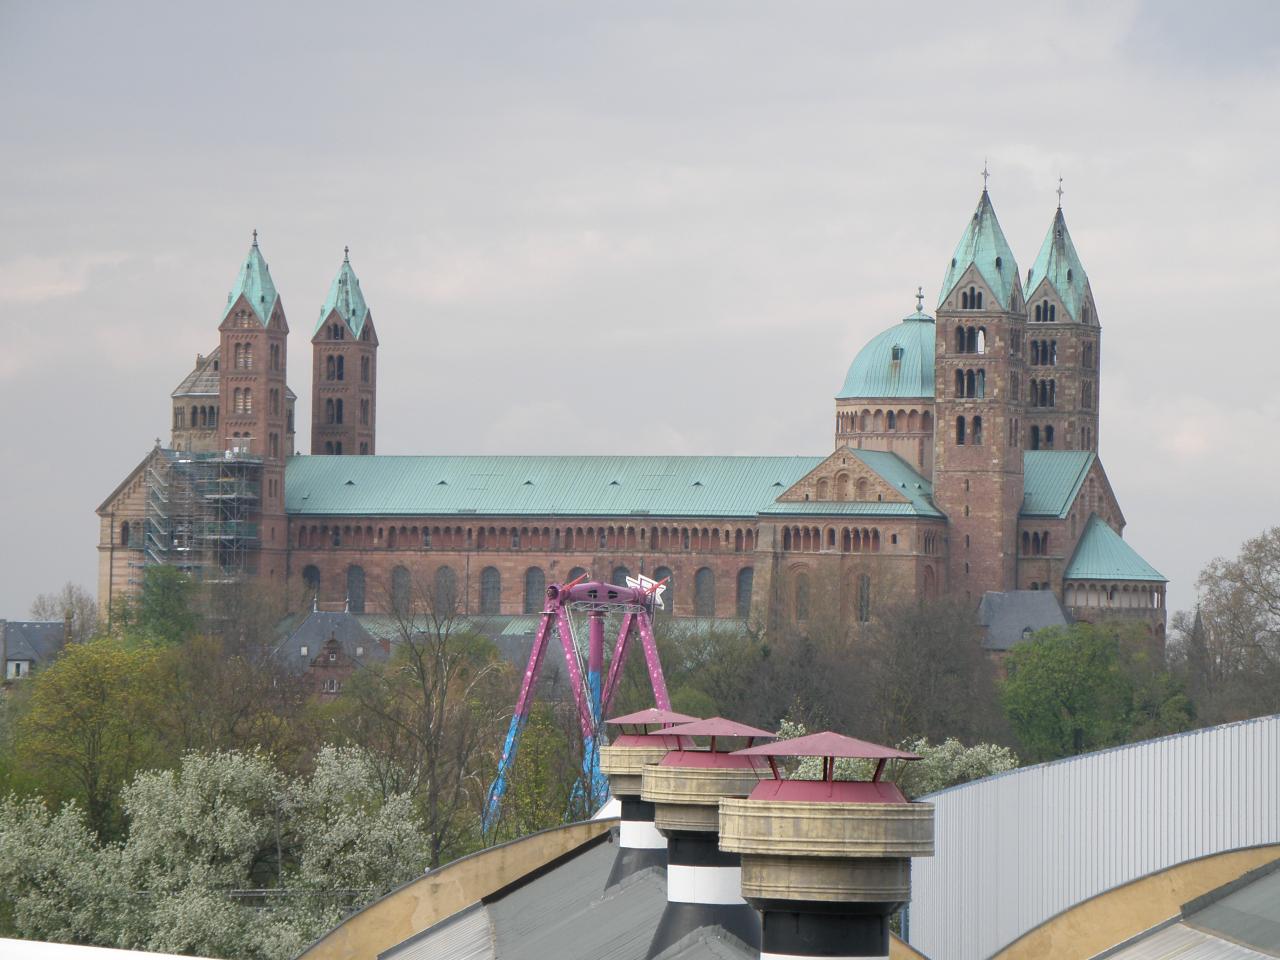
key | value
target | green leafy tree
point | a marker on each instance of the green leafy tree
(89, 726)
(164, 609)
(1071, 690)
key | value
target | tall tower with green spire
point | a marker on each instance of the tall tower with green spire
(978, 370)
(1064, 345)
(344, 371)
(253, 400)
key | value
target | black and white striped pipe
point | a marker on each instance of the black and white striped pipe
(799, 930)
(640, 845)
(704, 889)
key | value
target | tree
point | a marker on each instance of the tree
(72, 601)
(164, 609)
(1071, 690)
(89, 725)
(432, 716)
(1229, 649)
(926, 672)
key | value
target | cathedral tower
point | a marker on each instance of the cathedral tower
(981, 321)
(253, 420)
(344, 371)
(1063, 348)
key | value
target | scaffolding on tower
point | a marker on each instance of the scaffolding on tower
(202, 512)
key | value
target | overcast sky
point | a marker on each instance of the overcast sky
(681, 220)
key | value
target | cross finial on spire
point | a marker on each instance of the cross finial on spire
(986, 174)
(919, 299)
(1060, 191)
(346, 254)
(255, 236)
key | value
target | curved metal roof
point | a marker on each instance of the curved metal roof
(895, 363)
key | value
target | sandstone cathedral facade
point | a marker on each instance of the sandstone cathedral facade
(964, 465)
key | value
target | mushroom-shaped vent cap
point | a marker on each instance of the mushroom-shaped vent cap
(719, 727)
(825, 744)
(653, 716)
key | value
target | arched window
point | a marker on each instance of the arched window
(1035, 544)
(1053, 313)
(786, 538)
(959, 339)
(982, 383)
(364, 369)
(330, 367)
(1048, 438)
(969, 389)
(355, 588)
(891, 421)
(337, 410)
(746, 578)
(124, 534)
(971, 340)
(982, 340)
(864, 598)
(444, 592)
(802, 596)
(401, 591)
(959, 383)
(575, 573)
(619, 576)
(977, 430)
(926, 421)
(535, 590)
(328, 410)
(248, 400)
(979, 304)
(960, 431)
(1026, 544)
(704, 593)
(341, 367)
(668, 595)
(490, 591)
(964, 299)
(311, 577)
(1037, 321)
(842, 487)
(328, 446)
(824, 489)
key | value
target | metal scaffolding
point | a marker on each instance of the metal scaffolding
(201, 513)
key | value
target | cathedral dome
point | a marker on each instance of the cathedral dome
(896, 363)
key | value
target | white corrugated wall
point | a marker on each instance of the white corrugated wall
(1014, 850)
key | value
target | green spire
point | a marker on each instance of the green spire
(1060, 265)
(255, 283)
(984, 246)
(346, 298)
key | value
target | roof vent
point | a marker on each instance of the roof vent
(349, 483)
(614, 483)
(527, 483)
(442, 483)
(777, 483)
(696, 483)
(1068, 274)
(999, 263)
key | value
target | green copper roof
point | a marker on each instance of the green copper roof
(346, 298)
(894, 471)
(1102, 554)
(984, 246)
(540, 486)
(1051, 479)
(1060, 265)
(254, 281)
(896, 363)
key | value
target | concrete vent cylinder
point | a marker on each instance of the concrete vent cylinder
(703, 881)
(826, 862)
(643, 741)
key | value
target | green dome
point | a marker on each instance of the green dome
(876, 373)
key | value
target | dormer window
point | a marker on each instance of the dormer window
(999, 263)
(897, 354)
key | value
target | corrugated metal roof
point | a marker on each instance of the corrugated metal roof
(1051, 479)
(1181, 942)
(1015, 849)
(1102, 554)
(466, 935)
(895, 363)
(1059, 263)
(539, 486)
(984, 246)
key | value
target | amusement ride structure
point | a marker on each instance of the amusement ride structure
(593, 689)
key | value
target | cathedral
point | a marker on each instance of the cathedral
(964, 465)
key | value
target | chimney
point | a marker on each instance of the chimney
(826, 862)
(686, 787)
(643, 741)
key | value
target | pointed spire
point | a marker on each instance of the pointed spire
(1059, 264)
(986, 174)
(983, 245)
(345, 297)
(1060, 191)
(255, 284)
